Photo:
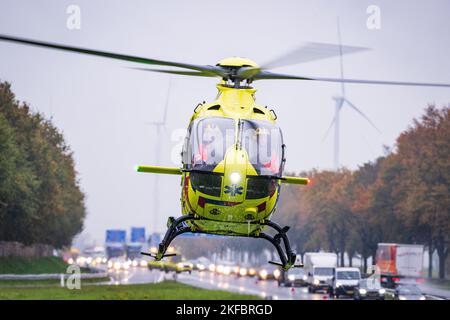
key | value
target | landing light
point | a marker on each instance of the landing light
(235, 177)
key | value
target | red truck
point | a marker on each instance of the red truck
(399, 263)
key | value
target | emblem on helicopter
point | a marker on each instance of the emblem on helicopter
(233, 190)
(214, 211)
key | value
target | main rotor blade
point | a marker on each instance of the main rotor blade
(178, 72)
(310, 51)
(264, 75)
(351, 105)
(216, 70)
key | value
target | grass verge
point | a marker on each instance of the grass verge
(169, 290)
(19, 265)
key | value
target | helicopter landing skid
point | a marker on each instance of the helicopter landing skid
(179, 226)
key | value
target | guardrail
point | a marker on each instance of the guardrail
(51, 276)
(433, 297)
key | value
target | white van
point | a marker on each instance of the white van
(319, 270)
(345, 281)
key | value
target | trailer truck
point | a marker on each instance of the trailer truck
(115, 243)
(399, 263)
(137, 241)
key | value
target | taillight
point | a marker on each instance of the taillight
(396, 279)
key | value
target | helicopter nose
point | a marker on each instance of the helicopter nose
(235, 172)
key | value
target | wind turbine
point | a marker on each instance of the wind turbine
(160, 126)
(340, 101)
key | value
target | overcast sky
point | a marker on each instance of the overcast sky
(102, 105)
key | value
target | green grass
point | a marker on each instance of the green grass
(18, 265)
(165, 290)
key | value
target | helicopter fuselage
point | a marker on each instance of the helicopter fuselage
(240, 187)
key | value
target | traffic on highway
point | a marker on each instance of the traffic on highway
(397, 276)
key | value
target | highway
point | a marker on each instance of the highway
(248, 285)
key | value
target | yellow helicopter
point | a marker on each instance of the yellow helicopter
(233, 155)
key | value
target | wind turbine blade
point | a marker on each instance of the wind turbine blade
(329, 128)
(351, 105)
(167, 101)
(341, 59)
(165, 130)
(339, 103)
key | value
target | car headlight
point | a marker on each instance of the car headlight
(212, 267)
(200, 266)
(305, 278)
(362, 291)
(402, 298)
(180, 265)
(338, 284)
(382, 291)
(143, 263)
(317, 281)
(134, 263)
(252, 272)
(243, 271)
(291, 277)
(276, 273)
(263, 274)
(423, 298)
(226, 270)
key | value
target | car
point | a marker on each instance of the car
(268, 272)
(294, 277)
(369, 289)
(406, 292)
(175, 265)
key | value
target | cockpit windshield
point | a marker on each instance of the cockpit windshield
(263, 143)
(209, 139)
(208, 142)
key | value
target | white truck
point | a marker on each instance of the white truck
(345, 281)
(319, 268)
(399, 263)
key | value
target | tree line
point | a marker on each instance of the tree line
(402, 197)
(40, 197)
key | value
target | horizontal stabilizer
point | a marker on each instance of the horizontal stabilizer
(295, 180)
(157, 169)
